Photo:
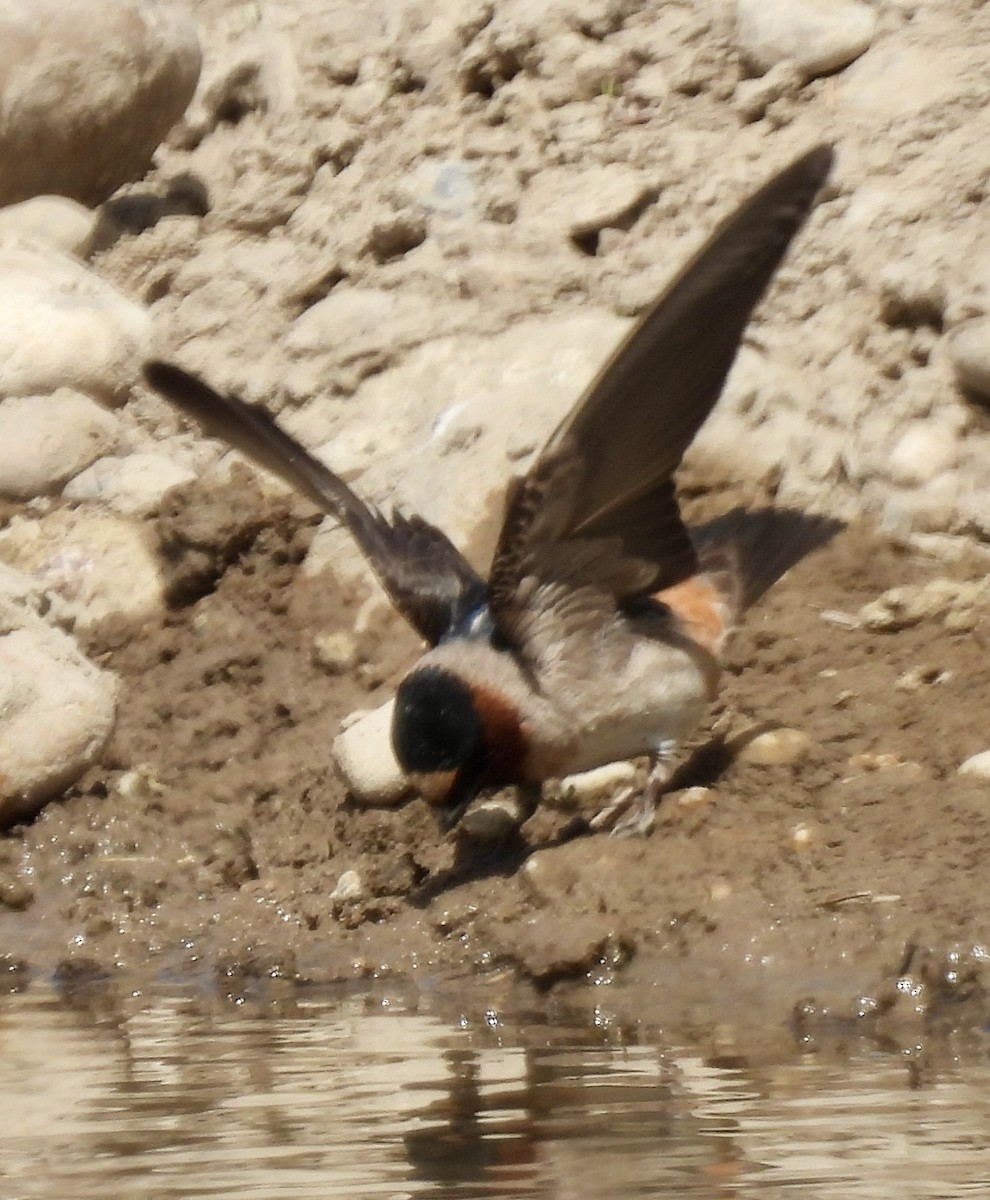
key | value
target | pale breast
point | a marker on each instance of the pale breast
(654, 697)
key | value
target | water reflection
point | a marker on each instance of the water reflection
(318, 1096)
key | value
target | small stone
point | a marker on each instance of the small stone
(817, 36)
(62, 326)
(140, 785)
(954, 600)
(805, 835)
(603, 69)
(335, 652)
(363, 753)
(908, 771)
(599, 784)
(651, 85)
(922, 451)
(753, 97)
(239, 89)
(491, 822)
(57, 712)
(969, 352)
(349, 886)
(45, 440)
(134, 486)
(584, 201)
(53, 221)
(917, 678)
(692, 798)
(548, 876)
(977, 765)
(364, 101)
(96, 568)
(720, 889)
(608, 198)
(775, 747)
(363, 322)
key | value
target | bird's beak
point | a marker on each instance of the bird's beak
(450, 792)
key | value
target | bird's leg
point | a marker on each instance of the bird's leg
(632, 813)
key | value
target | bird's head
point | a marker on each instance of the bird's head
(438, 735)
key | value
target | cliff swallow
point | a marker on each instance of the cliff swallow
(597, 634)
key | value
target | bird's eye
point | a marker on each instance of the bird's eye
(435, 726)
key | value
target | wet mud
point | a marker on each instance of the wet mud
(844, 887)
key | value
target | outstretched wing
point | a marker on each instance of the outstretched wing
(426, 577)
(598, 508)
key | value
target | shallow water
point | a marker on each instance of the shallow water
(377, 1096)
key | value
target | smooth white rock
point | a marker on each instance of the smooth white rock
(977, 764)
(63, 326)
(584, 200)
(349, 886)
(969, 352)
(923, 451)
(94, 567)
(90, 88)
(53, 221)
(817, 36)
(364, 756)
(600, 783)
(57, 712)
(336, 652)
(45, 440)
(134, 485)
(775, 747)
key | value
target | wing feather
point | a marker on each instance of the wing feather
(427, 578)
(606, 474)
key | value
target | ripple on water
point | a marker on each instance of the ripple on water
(341, 1097)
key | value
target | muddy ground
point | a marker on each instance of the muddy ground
(209, 842)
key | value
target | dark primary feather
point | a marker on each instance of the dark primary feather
(606, 473)
(427, 578)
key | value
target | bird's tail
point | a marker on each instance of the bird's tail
(744, 552)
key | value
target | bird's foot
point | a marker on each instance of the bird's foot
(632, 813)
